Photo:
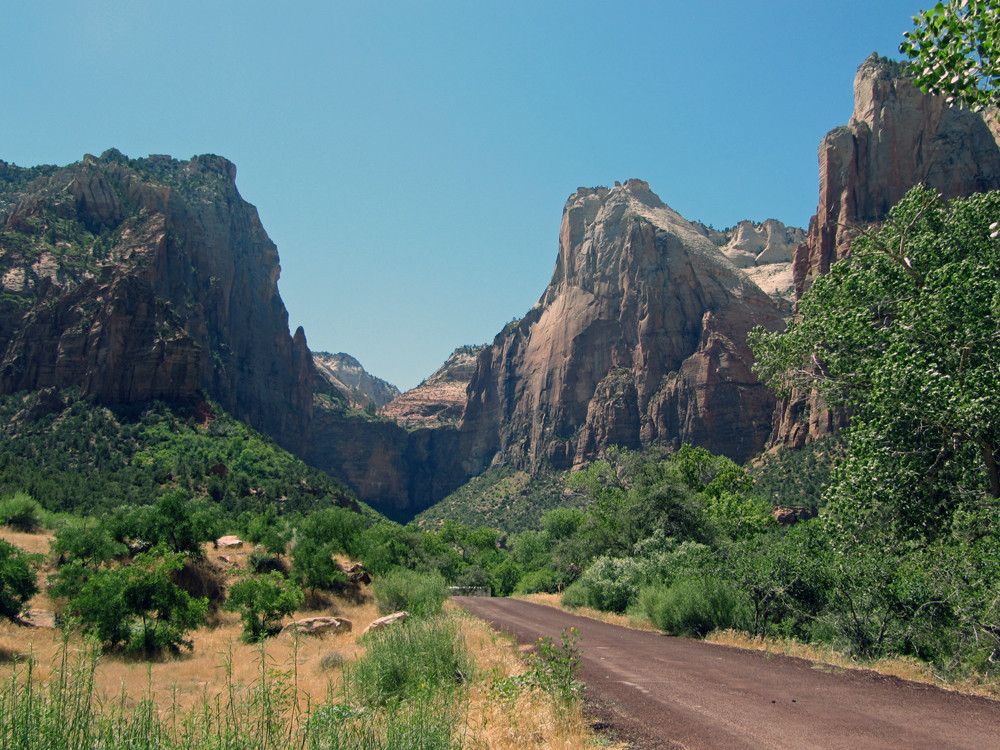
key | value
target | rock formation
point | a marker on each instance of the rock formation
(765, 252)
(440, 399)
(898, 137)
(345, 374)
(639, 339)
(139, 279)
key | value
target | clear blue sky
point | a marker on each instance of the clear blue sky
(411, 159)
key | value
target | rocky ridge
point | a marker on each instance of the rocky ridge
(140, 279)
(346, 375)
(440, 399)
(639, 339)
(898, 137)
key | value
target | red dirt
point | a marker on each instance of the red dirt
(661, 692)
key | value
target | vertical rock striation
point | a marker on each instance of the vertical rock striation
(639, 339)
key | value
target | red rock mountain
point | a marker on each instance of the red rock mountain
(139, 279)
(440, 399)
(897, 138)
(639, 339)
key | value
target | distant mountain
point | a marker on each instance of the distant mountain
(639, 339)
(440, 399)
(138, 280)
(344, 373)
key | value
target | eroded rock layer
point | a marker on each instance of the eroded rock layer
(440, 399)
(639, 339)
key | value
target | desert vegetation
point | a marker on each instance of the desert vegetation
(437, 680)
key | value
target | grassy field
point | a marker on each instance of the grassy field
(287, 692)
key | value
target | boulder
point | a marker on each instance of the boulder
(317, 626)
(383, 622)
(229, 542)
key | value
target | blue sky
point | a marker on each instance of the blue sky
(411, 159)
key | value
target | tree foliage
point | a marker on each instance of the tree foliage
(906, 332)
(137, 606)
(262, 602)
(955, 51)
(17, 581)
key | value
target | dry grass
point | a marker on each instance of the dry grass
(827, 657)
(184, 680)
(612, 618)
(219, 657)
(531, 720)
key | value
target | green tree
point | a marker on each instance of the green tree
(81, 545)
(138, 606)
(17, 581)
(906, 333)
(955, 51)
(262, 602)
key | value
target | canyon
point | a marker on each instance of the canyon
(144, 279)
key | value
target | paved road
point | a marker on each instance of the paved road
(662, 692)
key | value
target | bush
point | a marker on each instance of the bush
(86, 541)
(261, 561)
(611, 584)
(692, 606)
(262, 602)
(21, 511)
(420, 594)
(17, 581)
(137, 606)
(409, 661)
(545, 581)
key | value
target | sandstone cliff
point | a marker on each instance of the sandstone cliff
(898, 137)
(440, 399)
(764, 251)
(345, 374)
(139, 279)
(639, 339)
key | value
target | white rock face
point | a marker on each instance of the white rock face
(764, 251)
(345, 373)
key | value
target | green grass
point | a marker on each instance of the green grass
(407, 691)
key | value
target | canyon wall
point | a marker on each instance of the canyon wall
(898, 137)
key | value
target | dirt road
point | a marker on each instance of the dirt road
(662, 692)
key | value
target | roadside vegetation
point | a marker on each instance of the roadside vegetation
(440, 679)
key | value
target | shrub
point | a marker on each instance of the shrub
(692, 606)
(409, 661)
(331, 660)
(262, 602)
(420, 594)
(261, 561)
(21, 511)
(85, 541)
(505, 577)
(137, 606)
(545, 581)
(611, 584)
(17, 581)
